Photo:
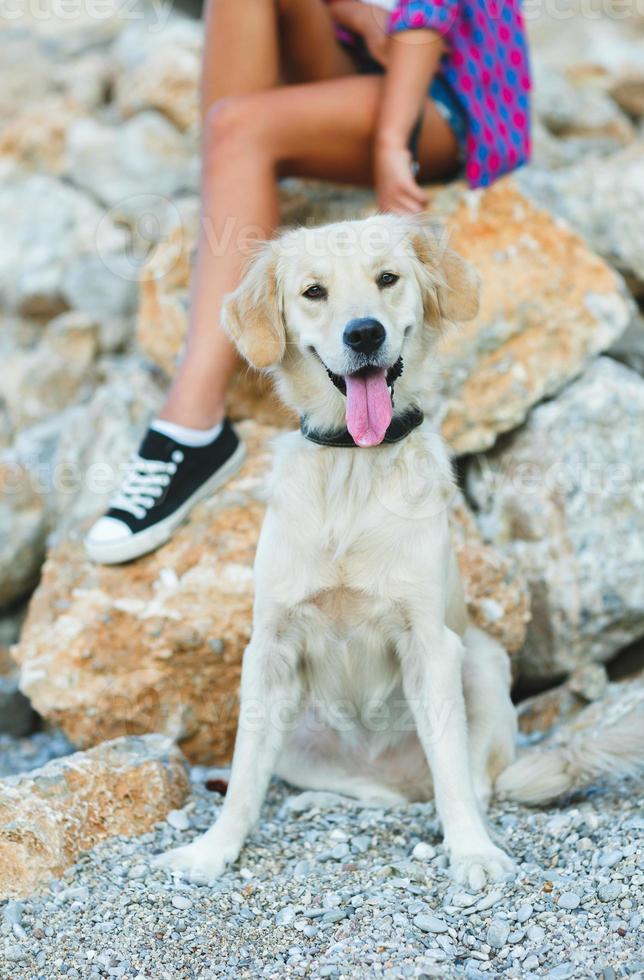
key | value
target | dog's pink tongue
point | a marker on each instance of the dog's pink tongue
(369, 407)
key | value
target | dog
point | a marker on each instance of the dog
(362, 675)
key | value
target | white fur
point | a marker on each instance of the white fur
(362, 675)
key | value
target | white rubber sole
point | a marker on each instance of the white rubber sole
(135, 545)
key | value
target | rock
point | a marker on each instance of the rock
(160, 71)
(50, 815)
(569, 900)
(35, 139)
(629, 348)
(495, 590)
(105, 651)
(572, 107)
(548, 306)
(42, 261)
(629, 96)
(84, 79)
(430, 923)
(16, 715)
(56, 372)
(542, 713)
(25, 71)
(562, 497)
(145, 155)
(602, 199)
(23, 528)
(497, 934)
(181, 902)
(96, 440)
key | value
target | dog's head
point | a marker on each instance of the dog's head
(334, 312)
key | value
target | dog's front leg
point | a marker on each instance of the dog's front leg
(432, 677)
(270, 700)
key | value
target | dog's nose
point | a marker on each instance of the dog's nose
(364, 335)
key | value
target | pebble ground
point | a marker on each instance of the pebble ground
(327, 888)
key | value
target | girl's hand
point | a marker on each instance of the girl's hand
(395, 184)
(369, 22)
(374, 22)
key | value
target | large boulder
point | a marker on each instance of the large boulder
(72, 256)
(603, 200)
(563, 497)
(160, 70)
(144, 155)
(157, 645)
(50, 815)
(548, 306)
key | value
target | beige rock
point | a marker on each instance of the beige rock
(49, 816)
(160, 72)
(157, 645)
(35, 138)
(629, 95)
(548, 305)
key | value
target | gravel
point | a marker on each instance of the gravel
(23, 754)
(381, 906)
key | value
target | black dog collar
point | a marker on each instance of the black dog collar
(400, 427)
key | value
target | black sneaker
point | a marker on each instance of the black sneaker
(164, 481)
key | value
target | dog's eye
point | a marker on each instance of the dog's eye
(387, 279)
(315, 292)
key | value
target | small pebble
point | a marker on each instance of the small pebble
(608, 859)
(609, 892)
(285, 916)
(423, 852)
(569, 900)
(430, 923)
(497, 934)
(182, 902)
(178, 819)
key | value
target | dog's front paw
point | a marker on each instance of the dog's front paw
(203, 860)
(478, 869)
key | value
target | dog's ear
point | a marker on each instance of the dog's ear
(252, 314)
(455, 281)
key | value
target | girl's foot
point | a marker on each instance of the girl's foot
(165, 479)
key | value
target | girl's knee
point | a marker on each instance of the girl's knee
(230, 121)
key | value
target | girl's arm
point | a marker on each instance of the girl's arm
(414, 56)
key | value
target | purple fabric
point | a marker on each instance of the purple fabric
(488, 68)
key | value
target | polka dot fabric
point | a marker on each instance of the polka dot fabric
(488, 68)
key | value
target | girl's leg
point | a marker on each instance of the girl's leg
(242, 55)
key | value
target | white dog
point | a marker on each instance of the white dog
(362, 675)
(360, 632)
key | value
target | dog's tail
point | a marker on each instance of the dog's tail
(597, 745)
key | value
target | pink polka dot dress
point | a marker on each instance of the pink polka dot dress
(488, 69)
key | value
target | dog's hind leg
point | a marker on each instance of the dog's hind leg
(491, 716)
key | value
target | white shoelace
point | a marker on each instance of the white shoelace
(144, 483)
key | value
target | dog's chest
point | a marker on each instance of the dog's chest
(348, 643)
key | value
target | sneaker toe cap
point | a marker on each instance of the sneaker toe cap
(108, 529)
